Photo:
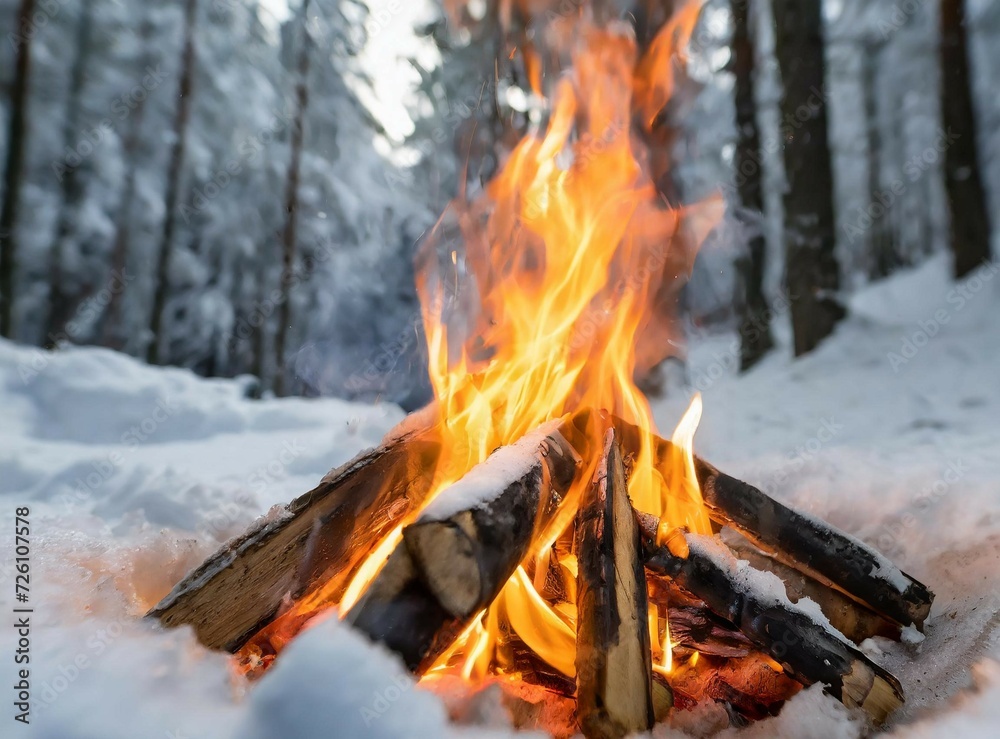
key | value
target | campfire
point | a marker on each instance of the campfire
(530, 528)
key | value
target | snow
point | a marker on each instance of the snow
(486, 481)
(133, 475)
(764, 586)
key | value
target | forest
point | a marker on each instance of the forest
(206, 184)
(601, 368)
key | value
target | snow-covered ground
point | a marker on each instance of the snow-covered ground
(133, 475)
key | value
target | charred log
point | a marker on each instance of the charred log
(454, 560)
(693, 627)
(808, 649)
(752, 687)
(852, 619)
(814, 547)
(613, 659)
(804, 543)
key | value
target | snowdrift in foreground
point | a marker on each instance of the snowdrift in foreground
(133, 475)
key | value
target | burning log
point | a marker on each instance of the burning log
(242, 587)
(810, 650)
(614, 667)
(804, 543)
(454, 560)
(693, 627)
(852, 619)
(814, 547)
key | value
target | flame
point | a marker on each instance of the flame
(538, 315)
(655, 80)
(564, 255)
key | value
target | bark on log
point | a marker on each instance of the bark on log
(614, 668)
(804, 543)
(808, 649)
(815, 547)
(454, 560)
(240, 589)
(693, 627)
(852, 619)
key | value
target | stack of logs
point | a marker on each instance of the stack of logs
(743, 602)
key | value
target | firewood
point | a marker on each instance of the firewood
(806, 646)
(241, 588)
(465, 555)
(815, 547)
(454, 560)
(852, 619)
(614, 667)
(803, 542)
(692, 625)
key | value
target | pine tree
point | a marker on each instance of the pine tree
(176, 167)
(292, 197)
(67, 290)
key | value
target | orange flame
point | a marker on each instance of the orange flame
(539, 315)
(565, 253)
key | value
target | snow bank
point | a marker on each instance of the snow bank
(890, 430)
(133, 475)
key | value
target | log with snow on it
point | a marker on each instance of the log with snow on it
(797, 636)
(453, 561)
(803, 542)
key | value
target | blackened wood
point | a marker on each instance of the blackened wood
(453, 561)
(399, 610)
(467, 556)
(751, 687)
(852, 619)
(802, 542)
(811, 545)
(692, 625)
(809, 650)
(614, 669)
(240, 589)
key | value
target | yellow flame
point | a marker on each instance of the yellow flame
(538, 315)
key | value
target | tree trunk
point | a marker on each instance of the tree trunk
(115, 332)
(292, 202)
(155, 348)
(883, 252)
(811, 269)
(17, 147)
(970, 226)
(755, 323)
(64, 298)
